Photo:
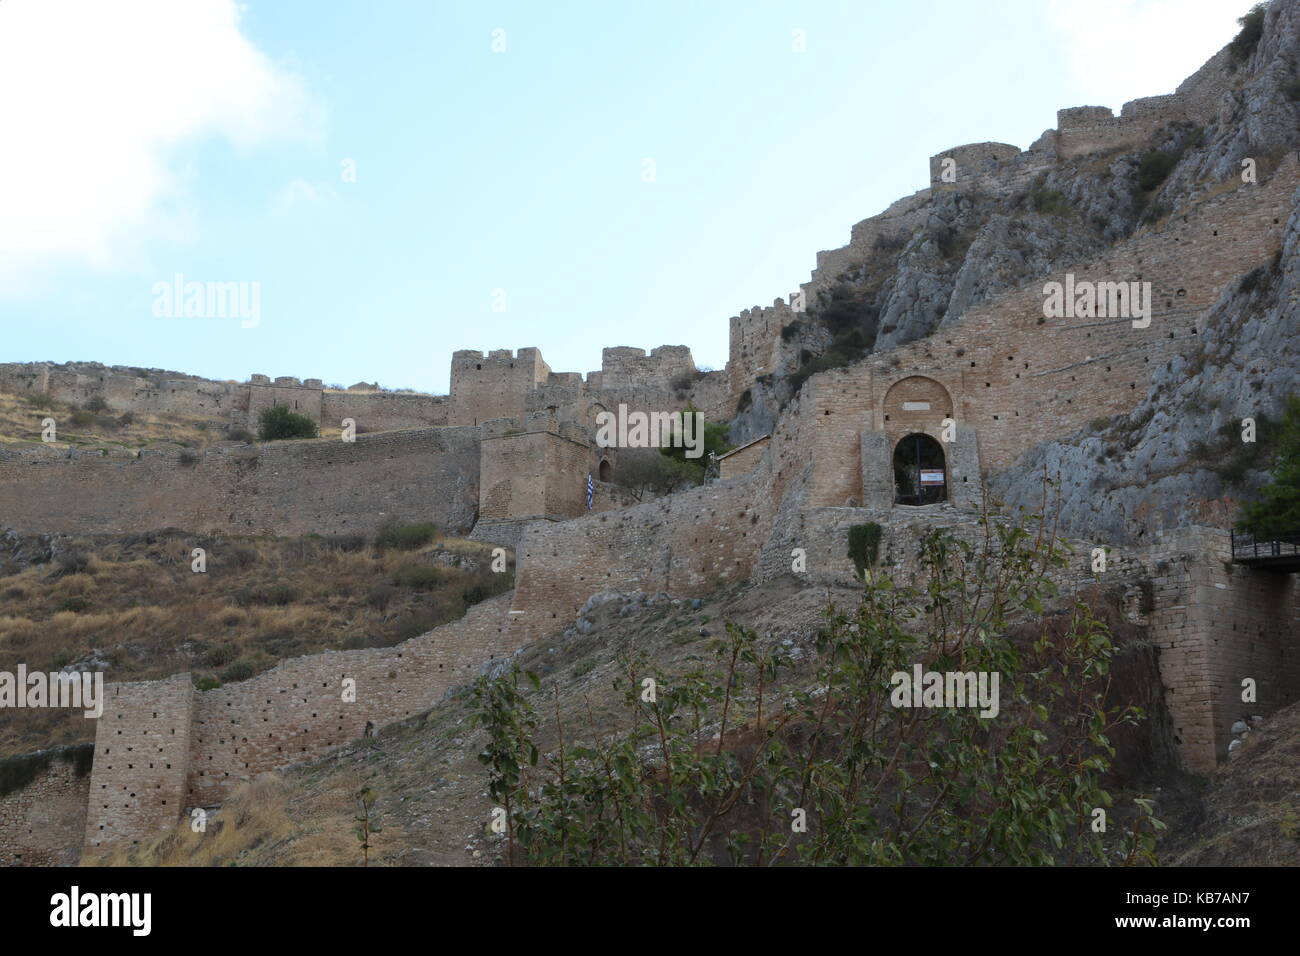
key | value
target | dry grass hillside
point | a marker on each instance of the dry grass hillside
(87, 427)
(132, 604)
(1250, 813)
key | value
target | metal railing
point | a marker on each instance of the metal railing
(1249, 547)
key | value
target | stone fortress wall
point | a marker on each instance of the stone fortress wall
(324, 486)
(1008, 377)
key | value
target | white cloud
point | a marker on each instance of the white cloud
(96, 96)
(1119, 50)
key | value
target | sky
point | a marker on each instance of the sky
(378, 183)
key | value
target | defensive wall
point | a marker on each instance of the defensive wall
(43, 802)
(324, 486)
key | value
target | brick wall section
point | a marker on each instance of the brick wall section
(289, 392)
(142, 757)
(1215, 624)
(382, 411)
(326, 486)
(190, 748)
(623, 367)
(742, 460)
(684, 544)
(43, 823)
(755, 338)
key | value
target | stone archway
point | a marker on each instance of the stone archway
(915, 404)
(606, 470)
(920, 471)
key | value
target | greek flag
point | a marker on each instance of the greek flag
(591, 490)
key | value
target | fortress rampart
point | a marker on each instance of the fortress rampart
(324, 486)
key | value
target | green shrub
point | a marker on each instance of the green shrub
(420, 577)
(73, 561)
(74, 604)
(240, 434)
(864, 545)
(1049, 202)
(413, 625)
(405, 537)
(188, 459)
(886, 784)
(1252, 28)
(380, 596)
(240, 670)
(242, 556)
(219, 656)
(345, 542)
(1277, 510)
(17, 772)
(277, 423)
(279, 594)
(206, 682)
(788, 332)
(1153, 168)
(96, 403)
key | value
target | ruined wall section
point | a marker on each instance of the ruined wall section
(755, 343)
(296, 711)
(142, 761)
(301, 398)
(995, 168)
(43, 822)
(325, 486)
(903, 217)
(685, 544)
(1217, 624)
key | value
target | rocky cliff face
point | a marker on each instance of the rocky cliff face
(1178, 458)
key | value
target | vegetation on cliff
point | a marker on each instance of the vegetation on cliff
(1277, 510)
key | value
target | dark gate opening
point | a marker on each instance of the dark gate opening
(920, 475)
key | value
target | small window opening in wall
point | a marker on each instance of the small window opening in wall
(479, 367)
(972, 364)
(827, 412)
